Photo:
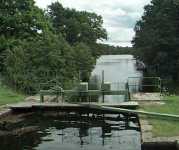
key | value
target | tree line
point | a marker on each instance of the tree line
(157, 39)
(42, 45)
(105, 49)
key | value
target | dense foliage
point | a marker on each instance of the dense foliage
(40, 60)
(157, 38)
(38, 46)
(105, 49)
(77, 26)
(19, 19)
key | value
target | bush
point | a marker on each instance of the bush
(39, 60)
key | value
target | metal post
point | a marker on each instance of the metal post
(126, 97)
(102, 76)
(160, 85)
(79, 75)
(41, 98)
(103, 84)
(62, 95)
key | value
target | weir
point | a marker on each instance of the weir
(82, 90)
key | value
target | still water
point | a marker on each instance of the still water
(72, 133)
(91, 132)
(117, 71)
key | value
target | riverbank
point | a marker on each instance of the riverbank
(161, 129)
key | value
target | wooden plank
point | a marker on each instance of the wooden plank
(81, 105)
(55, 105)
(135, 104)
(155, 114)
(21, 105)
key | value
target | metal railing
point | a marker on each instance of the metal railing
(144, 84)
(92, 92)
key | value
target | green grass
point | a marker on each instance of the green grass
(171, 106)
(161, 126)
(8, 96)
(164, 128)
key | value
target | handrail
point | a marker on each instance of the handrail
(127, 97)
(156, 82)
(57, 90)
(138, 112)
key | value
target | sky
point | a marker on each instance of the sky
(119, 16)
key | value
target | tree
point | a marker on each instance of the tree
(84, 60)
(157, 37)
(19, 20)
(76, 26)
(37, 47)
(40, 60)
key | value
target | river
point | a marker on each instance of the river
(117, 69)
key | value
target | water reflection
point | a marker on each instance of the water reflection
(91, 132)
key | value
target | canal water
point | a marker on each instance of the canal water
(71, 133)
(118, 70)
(90, 132)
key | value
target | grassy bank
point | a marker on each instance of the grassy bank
(8, 96)
(163, 126)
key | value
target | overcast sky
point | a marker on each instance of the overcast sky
(119, 16)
